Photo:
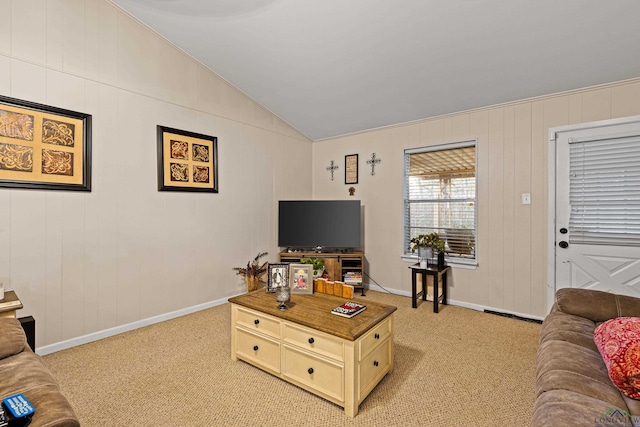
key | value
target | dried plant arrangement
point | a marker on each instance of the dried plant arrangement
(253, 268)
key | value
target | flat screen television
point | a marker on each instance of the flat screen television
(319, 224)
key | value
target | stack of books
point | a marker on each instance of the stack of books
(353, 278)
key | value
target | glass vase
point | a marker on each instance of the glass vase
(283, 295)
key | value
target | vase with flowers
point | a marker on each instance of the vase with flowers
(253, 271)
(430, 249)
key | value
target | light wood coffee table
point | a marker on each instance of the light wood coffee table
(336, 358)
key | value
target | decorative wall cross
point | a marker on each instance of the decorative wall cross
(373, 161)
(332, 168)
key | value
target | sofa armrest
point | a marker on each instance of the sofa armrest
(597, 306)
(12, 337)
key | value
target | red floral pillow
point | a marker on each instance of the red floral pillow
(618, 341)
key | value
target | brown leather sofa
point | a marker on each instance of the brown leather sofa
(23, 371)
(573, 387)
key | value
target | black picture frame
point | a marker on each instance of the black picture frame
(277, 275)
(351, 169)
(187, 163)
(44, 147)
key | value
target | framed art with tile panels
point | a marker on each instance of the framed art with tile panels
(187, 161)
(44, 147)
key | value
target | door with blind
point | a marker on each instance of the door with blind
(597, 235)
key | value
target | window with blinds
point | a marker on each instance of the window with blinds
(440, 196)
(604, 191)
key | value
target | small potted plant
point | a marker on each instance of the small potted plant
(420, 244)
(427, 245)
(253, 271)
(318, 266)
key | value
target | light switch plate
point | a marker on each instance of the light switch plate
(526, 198)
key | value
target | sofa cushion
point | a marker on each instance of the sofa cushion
(567, 327)
(26, 373)
(618, 341)
(633, 405)
(566, 366)
(12, 337)
(570, 409)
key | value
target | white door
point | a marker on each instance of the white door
(597, 208)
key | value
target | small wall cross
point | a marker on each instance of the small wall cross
(373, 161)
(332, 168)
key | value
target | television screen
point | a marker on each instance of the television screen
(323, 223)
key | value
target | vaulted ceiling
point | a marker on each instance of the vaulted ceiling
(335, 67)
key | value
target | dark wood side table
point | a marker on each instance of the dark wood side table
(434, 272)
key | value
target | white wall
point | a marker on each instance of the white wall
(87, 262)
(512, 155)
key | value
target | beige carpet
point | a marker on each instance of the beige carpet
(457, 368)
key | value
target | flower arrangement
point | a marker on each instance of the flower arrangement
(431, 240)
(254, 268)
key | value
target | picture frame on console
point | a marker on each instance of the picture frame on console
(301, 278)
(277, 275)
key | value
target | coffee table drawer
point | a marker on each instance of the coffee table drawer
(258, 350)
(315, 373)
(258, 322)
(314, 341)
(373, 368)
(374, 337)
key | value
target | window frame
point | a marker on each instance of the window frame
(407, 255)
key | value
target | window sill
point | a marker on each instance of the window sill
(470, 264)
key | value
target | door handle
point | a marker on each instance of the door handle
(563, 244)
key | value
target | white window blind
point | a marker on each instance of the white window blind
(440, 196)
(604, 191)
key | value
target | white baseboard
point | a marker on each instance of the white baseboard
(95, 336)
(463, 304)
(385, 290)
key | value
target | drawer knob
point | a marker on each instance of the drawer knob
(310, 370)
(311, 340)
(255, 322)
(375, 363)
(255, 348)
(377, 336)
